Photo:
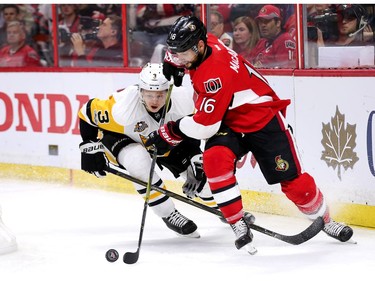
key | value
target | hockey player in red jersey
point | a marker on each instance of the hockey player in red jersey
(236, 112)
(124, 120)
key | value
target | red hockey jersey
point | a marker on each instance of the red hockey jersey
(276, 53)
(228, 89)
(24, 56)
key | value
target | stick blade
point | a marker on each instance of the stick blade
(131, 258)
(307, 234)
(297, 239)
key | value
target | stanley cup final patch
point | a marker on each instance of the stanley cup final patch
(213, 85)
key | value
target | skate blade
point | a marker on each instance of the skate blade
(251, 249)
(351, 241)
(194, 234)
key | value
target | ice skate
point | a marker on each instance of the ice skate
(181, 225)
(338, 230)
(244, 236)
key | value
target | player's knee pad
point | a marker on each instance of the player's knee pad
(114, 143)
(300, 190)
(303, 192)
(219, 165)
(136, 160)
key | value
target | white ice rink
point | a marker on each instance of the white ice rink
(63, 233)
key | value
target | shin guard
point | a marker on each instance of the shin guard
(219, 166)
(308, 198)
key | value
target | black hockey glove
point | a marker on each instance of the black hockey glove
(164, 139)
(93, 159)
(196, 178)
(172, 69)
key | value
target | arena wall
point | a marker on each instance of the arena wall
(332, 118)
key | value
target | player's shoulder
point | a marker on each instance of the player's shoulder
(286, 39)
(127, 93)
(286, 35)
(222, 64)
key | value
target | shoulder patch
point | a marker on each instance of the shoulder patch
(213, 85)
(290, 44)
(226, 41)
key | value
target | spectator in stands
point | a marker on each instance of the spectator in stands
(217, 28)
(87, 10)
(109, 53)
(348, 26)
(242, 10)
(10, 12)
(40, 36)
(324, 18)
(153, 24)
(17, 52)
(68, 24)
(276, 48)
(290, 25)
(352, 25)
(69, 17)
(321, 26)
(113, 9)
(198, 10)
(224, 10)
(245, 35)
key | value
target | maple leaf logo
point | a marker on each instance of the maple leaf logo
(339, 143)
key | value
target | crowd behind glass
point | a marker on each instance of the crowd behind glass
(92, 35)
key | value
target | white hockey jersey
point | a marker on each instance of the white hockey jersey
(123, 112)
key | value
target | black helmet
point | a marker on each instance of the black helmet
(186, 33)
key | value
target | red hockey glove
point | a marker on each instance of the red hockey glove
(171, 68)
(164, 139)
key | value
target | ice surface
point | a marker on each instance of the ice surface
(63, 233)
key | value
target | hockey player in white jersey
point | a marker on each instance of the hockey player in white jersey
(124, 119)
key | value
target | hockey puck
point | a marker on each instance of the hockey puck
(111, 255)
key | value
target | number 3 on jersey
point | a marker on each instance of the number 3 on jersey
(103, 117)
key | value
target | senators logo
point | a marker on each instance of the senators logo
(192, 27)
(212, 86)
(281, 164)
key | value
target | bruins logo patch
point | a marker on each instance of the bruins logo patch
(281, 164)
(140, 127)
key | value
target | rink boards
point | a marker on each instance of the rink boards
(332, 120)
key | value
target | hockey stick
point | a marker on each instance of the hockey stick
(311, 231)
(132, 257)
